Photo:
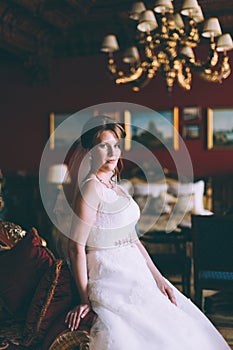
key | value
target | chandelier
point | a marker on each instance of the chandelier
(164, 43)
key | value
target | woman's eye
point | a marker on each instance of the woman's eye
(118, 145)
(103, 145)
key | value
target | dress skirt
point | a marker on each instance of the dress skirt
(133, 314)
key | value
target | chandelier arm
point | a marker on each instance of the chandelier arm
(111, 66)
(147, 68)
(149, 72)
(151, 58)
(119, 76)
(193, 34)
(211, 61)
(184, 80)
(213, 56)
(218, 75)
(123, 79)
(144, 81)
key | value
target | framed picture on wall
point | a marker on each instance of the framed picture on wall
(153, 129)
(191, 114)
(219, 128)
(191, 132)
(65, 128)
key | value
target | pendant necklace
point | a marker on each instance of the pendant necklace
(108, 185)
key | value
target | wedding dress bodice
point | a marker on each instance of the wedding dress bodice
(115, 221)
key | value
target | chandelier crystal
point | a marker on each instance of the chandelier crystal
(164, 43)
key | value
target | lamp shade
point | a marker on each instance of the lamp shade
(189, 7)
(147, 21)
(224, 43)
(211, 28)
(163, 6)
(187, 51)
(110, 43)
(179, 23)
(58, 174)
(131, 55)
(136, 9)
(198, 15)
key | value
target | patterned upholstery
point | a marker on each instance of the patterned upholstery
(10, 235)
(71, 340)
(217, 275)
(44, 281)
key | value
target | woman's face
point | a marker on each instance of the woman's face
(106, 153)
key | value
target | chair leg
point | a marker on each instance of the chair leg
(186, 280)
(186, 285)
(198, 297)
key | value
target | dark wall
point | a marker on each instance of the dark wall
(79, 83)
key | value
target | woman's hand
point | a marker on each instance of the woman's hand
(74, 316)
(166, 290)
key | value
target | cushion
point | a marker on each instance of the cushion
(157, 205)
(198, 205)
(55, 295)
(21, 269)
(184, 204)
(152, 205)
(181, 189)
(152, 189)
(187, 189)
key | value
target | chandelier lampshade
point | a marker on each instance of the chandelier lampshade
(190, 7)
(165, 42)
(110, 43)
(224, 43)
(136, 10)
(187, 51)
(147, 21)
(162, 6)
(131, 55)
(212, 28)
(179, 23)
(198, 15)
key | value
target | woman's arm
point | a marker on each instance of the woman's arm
(162, 284)
(86, 209)
(79, 268)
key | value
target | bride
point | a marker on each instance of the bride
(135, 306)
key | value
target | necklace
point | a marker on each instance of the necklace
(108, 185)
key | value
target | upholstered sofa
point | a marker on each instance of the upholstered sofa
(36, 291)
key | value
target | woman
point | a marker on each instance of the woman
(136, 307)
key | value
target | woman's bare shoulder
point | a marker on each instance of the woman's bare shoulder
(91, 187)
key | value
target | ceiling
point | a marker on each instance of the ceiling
(34, 31)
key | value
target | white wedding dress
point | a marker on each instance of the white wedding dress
(132, 312)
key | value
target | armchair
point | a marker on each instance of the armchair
(36, 291)
(212, 250)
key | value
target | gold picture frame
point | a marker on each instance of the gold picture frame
(55, 138)
(191, 114)
(219, 128)
(148, 121)
(191, 132)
